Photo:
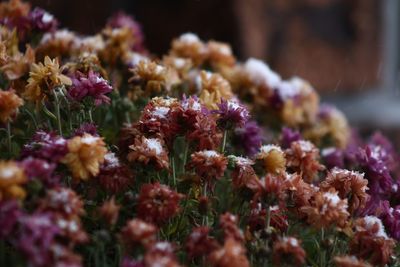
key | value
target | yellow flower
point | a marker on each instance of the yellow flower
(213, 88)
(43, 78)
(273, 159)
(85, 155)
(9, 104)
(11, 179)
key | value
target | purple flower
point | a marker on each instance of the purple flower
(89, 128)
(288, 136)
(41, 170)
(388, 153)
(249, 137)
(92, 85)
(42, 20)
(9, 215)
(46, 145)
(333, 157)
(391, 219)
(128, 262)
(232, 113)
(36, 237)
(122, 20)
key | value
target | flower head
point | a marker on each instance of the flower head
(288, 136)
(109, 211)
(229, 224)
(146, 150)
(10, 213)
(288, 250)
(208, 164)
(137, 231)
(205, 134)
(273, 159)
(232, 113)
(213, 88)
(232, 254)
(161, 254)
(41, 170)
(199, 243)
(12, 177)
(249, 137)
(42, 20)
(189, 45)
(9, 104)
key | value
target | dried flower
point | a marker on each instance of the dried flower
(229, 224)
(9, 105)
(64, 201)
(249, 137)
(232, 254)
(189, 45)
(349, 261)
(288, 250)
(109, 211)
(89, 128)
(288, 136)
(157, 203)
(199, 243)
(160, 254)
(10, 213)
(146, 150)
(43, 78)
(208, 164)
(214, 88)
(12, 177)
(42, 21)
(205, 134)
(243, 175)
(41, 170)
(220, 54)
(231, 114)
(273, 159)
(85, 154)
(391, 219)
(137, 231)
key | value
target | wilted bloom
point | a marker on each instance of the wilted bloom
(348, 184)
(302, 157)
(91, 85)
(89, 128)
(160, 254)
(232, 114)
(349, 261)
(220, 54)
(149, 150)
(333, 157)
(229, 224)
(199, 243)
(391, 219)
(62, 200)
(269, 189)
(205, 134)
(9, 105)
(114, 176)
(243, 174)
(46, 145)
(12, 177)
(213, 88)
(43, 78)
(326, 208)
(109, 211)
(208, 164)
(371, 242)
(42, 21)
(249, 137)
(288, 250)
(157, 203)
(232, 254)
(257, 217)
(288, 136)
(85, 154)
(137, 231)
(189, 45)
(40, 170)
(10, 212)
(273, 159)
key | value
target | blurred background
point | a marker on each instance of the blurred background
(348, 49)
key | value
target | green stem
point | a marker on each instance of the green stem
(323, 252)
(185, 155)
(184, 210)
(90, 116)
(205, 217)
(58, 114)
(268, 217)
(173, 170)
(224, 141)
(9, 138)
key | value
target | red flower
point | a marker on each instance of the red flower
(199, 243)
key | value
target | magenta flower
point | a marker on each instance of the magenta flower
(391, 219)
(333, 157)
(42, 20)
(10, 212)
(41, 170)
(288, 136)
(90, 85)
(89, 128)
(249, 137)
(232, 114)
(128, 262)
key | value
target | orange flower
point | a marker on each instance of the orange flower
(43, 78)
(232, 254)
(288, 250)
(208, 164)
(326, 208)
(213, 88)
(9, 104)
(109, 211)
(147, 150)
(11, 179)
(273, 159)
(349, 261)
(137, 231)
(349, 184)
(85, 155)
(189, 45)
(220, 54)
(18, 65)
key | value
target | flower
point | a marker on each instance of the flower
(272, 158)
(10, 213)
(137, 231)
(231, 114)
(208, 164)
(349, 261)
(12, 177)
(232, 254)
(64, 201)
(91, 85)
(213, 88)
(256, 220)
(157, 203)
(42, 20)
(391, 219)
(243, 174)
(350, 185)
(229, 224)
(326, 208)
(146, 150)
(199, 243)
(40, 170)
(109, 211)
(9, 105)
(188, 45)
(220, 54)
(43, 78)
(333, 157)
(205, 134)
(160, 254)
(85, 154)
(249, 137)
(127, 262)
(288, 250)
(89, 128)
(288, 136)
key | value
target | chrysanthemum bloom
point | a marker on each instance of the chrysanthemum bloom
(192, 109)
(12, 177)
(391, 219)
(288, 250)
(109, 211)
(332, 124)
(46, 145)
(9, 104)
(137, 231)
(371, 242)
(229, 224)
(62, 200)
(85, 154)
(114, 176)
(58, 44)
(10, 213)
(288, 136)
(232, 254)
(300, 193)
(333, 157)
(302, 157)
(161, 254)
(348, 184)
(40, 170)
(149, 150)
(349, 261)
(243, 174)
(43, 78)
(213, 87)
(208, 164)
(118, 43)
(249, 138)
(91, 85)
(231, 114)
(188, 45)
(257, 218)
(157, 203)
(18, 65)
(270, 189)
(89, 128)
(42, 21)
(272, 158)
(205, 134)
(326, 209)
(199, 243)
(220, 54)
(128, 262)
